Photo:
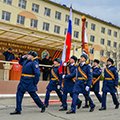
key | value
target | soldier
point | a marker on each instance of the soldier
(96, 77)
(69, 84)
(28, 82)
(110, 84)
(55, 82)
(9, 56)
(82, 84)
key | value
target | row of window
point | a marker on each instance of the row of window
(46, 26)
(103, 53)
(108, 54)
(47, 12)
(103, 30)
(102, 41)
(34, 23)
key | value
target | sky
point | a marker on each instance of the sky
(108, 10)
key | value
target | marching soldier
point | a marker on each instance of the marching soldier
(110, 84)
(96, 77)
(28, 82)
(55, 82)
(82, 84)
(69, 84)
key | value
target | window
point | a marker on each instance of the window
(93, 26)
(76, 34)
(92, 38)
(108, 54)
(102, 53)
(46, 26)
(35, 8)
(47, 11)
(109, 43)
(92, 50)
(65, 31)
(6, 15)
(102, 41)
(86, 24)
(114, 55)
(58, 15)
(109, 32)
(67, 17)
(20, 19)
(115, 44)
(102, 30)
(34, 23)
(115, 34)
(22, 4)
(8, 2)
(57, 29)
(77, 21)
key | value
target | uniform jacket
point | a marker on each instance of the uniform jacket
(30, 68)
(110, 85)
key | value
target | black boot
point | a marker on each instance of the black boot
(15, 113)
(102, 108)
(70, 112)
(43, 109)
(63, 109)
(79, 105)
(86, 106)
(92, 109)
(117, 106)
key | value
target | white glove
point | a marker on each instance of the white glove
(58, 87)
(63, 76)
(24, 56)
(65, 64)
(87, 88)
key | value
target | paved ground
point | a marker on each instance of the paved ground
(31, 112)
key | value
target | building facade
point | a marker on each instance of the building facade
(43, 23)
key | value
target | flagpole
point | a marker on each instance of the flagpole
(83, 33)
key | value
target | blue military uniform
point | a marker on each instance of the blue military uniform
(28, 82)
(80, 84)
(55, 82)
(109, 85)
(68, 85)
(96, 83)
(9, 56)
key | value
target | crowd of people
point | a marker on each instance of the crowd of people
(77, 78)
(47, 60)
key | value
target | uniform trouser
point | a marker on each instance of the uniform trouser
(46, 75)
(64, 100)
(97, 95)
(104, 96)
(75, 98)
(19, 97)
(47, 97)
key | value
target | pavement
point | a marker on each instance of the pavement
(32, 112)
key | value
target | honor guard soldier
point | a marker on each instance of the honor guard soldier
(82, 84)
(110, 84)
(95, 82)
(55, 82)
(96, 79)
(69, 84)
(28, 82)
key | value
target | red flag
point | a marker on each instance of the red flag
(84, 37)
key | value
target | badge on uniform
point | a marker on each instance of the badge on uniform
(36, 66)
